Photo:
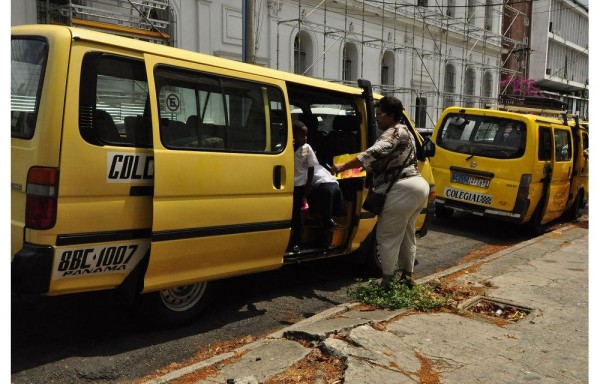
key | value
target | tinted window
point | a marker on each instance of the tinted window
(114, 101)
(27, 65)
(562, 145)
(202, 111)
(483, 136)
(545, 144)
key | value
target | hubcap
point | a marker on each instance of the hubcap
(183, 298)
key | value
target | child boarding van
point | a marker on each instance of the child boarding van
(152, 170)
(522, 163)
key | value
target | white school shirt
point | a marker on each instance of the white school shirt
(304, 158)
(322, 175)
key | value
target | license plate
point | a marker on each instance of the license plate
(471, 197)
(462, 178)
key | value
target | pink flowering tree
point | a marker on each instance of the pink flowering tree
(520, 87)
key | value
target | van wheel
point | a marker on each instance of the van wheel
(369, 259)
(575, 211)
(534, 226)
(443, 212)
(177, 306)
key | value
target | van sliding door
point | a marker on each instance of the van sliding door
(223, 182)
(562, 167)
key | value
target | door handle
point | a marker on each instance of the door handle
(278, 176)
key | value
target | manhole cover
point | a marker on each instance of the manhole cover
(496, 309)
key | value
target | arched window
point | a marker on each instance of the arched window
(489, 19)
(303, 57)
(449, 85)
(471, 7)
(349, 62)
(387, 70)
(469, 87)
(487, 84)
(450, 8)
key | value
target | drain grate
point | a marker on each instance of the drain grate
(496, 309)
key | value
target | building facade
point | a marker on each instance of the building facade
(429, 53)
(516, 32)
(559, 60)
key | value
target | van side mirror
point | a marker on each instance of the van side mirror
(429, 148)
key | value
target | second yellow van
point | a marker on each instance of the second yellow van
(522, 164)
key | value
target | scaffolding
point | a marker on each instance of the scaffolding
(429, 33)
(149, 20)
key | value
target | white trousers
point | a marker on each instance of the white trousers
(396, 240)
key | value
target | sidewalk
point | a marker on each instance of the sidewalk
(545, 278)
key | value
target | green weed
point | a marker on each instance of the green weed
(397, 295)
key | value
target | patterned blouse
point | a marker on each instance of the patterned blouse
(388, 153)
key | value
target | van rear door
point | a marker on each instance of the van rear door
(480, 159)
(223, 164)
(28, 65)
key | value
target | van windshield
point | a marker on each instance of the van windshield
(28, 62)
(482, 136)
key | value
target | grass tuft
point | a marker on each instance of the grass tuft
(397, 295)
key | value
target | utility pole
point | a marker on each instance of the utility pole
(249, 31)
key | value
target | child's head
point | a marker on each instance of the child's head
(299, 131)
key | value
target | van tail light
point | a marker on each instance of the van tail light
(42, 190)
(431, 197)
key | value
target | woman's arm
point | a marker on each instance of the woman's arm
(354, 163)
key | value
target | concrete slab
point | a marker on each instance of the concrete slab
(321, 329)
(267, 359)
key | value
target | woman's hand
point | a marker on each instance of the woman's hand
(337, 168)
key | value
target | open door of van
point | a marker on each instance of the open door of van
(562, 168)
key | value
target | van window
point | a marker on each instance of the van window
(114, 106)
(205, 112)
(27, 66)
(562, 145)
(483, 136)
(545, 144)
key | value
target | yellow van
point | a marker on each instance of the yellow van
(519, 163)
(153, 170)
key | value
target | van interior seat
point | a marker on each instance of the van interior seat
(25, 124)
(172, 131)
(208, 134)
(138, 130)
(513, 139)
(344, 137)
(106, 129)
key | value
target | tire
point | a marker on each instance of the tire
(574, 212)
(366, 258)
(373, 263)
(534, 226)
(443, 212)
(177, 306)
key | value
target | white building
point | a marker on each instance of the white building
(429, 53)
(559, 61)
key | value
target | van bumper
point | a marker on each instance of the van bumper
(31, 269)
(517, 215)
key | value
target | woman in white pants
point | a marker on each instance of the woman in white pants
(392, 159)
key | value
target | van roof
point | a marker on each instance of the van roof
(181, 54)
(505, 114)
